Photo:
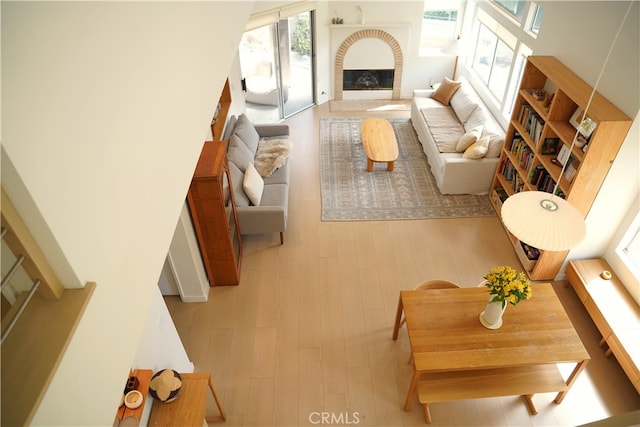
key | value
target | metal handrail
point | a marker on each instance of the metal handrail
(18, 313)
(10, 273)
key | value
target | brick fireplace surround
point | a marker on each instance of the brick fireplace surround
(362, 34)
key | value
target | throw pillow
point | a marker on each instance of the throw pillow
(445, 91)
(478, 149)
(237, 177)
(253, 185)
(464, 102)
(495, 144)
(468, 139)
(245, 130)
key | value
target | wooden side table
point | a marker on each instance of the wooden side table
(190, 406)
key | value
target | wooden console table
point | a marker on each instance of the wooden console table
(190, 406)
(614, 312)
(455, 357)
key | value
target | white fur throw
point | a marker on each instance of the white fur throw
(271, 154)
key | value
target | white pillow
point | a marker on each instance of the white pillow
(253, 184)
(478, 149)
(469, 138)
(495, 143)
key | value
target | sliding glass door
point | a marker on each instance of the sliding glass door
(277, 68)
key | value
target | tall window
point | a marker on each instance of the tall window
(439, 25)
(514, 8)
(629, 247)
(498, 52)
(535, 19)
(492, 61)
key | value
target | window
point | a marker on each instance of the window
(492, 61)
(535, 19)
(629, 247)
(516, 75)
(514, 8)
(439, 25)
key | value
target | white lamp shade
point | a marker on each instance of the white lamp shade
(524, 215)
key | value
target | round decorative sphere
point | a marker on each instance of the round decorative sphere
(165, 385)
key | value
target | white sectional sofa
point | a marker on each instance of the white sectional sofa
(440, 128)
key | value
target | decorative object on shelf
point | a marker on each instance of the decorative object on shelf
(361, 15)
(583, 124)
(337, 20)
(132, 384)
(165, 385)
(539, 94)
(133, 399)
(505, 285)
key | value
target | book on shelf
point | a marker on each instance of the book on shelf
(531, 121)
(563, 154)
(571, 169)
(535, 174)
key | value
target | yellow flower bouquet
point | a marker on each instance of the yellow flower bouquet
(508, 285)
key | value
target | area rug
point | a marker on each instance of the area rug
(370, 105)
(350, 193)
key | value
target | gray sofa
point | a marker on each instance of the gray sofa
(244, 139)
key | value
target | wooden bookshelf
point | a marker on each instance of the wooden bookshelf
(538, 122)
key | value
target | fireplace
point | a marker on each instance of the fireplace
(362, 62)
(367, 79)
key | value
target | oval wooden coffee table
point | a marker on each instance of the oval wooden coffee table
(379, 142)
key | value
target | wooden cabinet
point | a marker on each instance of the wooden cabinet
(612, 309)
(213, 212)
(539, 138)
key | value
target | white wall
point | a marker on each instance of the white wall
(105, 108)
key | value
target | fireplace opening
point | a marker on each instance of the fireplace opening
(367, 79)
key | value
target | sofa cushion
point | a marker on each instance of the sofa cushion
(479, 117)
(245, 130)
(496, 141)
(253, 185)
(444, 127)
(478, 149)
(469, 138)
(237, 178)
(276, 195)
(239, 154)
(446, 90)
(464, 102)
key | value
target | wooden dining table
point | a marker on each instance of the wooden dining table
(455, 357)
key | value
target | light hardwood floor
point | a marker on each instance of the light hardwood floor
(308, 330)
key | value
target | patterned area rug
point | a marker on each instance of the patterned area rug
(350, 193)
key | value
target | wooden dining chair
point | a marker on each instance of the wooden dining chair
(431, 284)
